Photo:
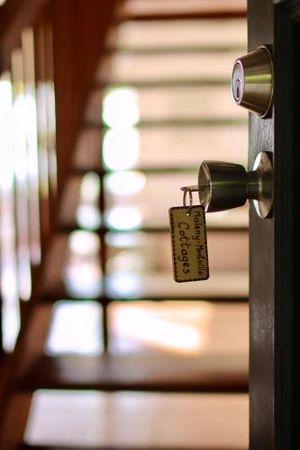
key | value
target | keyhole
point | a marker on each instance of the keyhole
(237, 89)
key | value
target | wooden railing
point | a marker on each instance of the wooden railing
(47, 67)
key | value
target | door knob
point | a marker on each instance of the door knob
(252, 81)
(225, 185)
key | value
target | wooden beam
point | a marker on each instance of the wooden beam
(15, 15)
(14, 424)
(206, 373)
(78, 44)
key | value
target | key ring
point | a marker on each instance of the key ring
(188, 190)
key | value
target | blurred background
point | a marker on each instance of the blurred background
(106, 110)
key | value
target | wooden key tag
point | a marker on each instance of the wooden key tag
(189, 243)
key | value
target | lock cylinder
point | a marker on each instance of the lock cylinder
(252, 82)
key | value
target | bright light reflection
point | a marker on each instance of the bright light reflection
(51, 119)
(30, 119)
(167, 335)
(127, 260)
(125, 183)
(30, 126)
(90, 187)
(82, 274)
(121, 148)
(21, 122)
(8, 262)
(47, 133)
(6, 166)
(51, 132)
(124, 218)
(126, 240)
(83, 279)
(88, 216)
(75, 328)
(124, 284)
(84, 243)
(42, 136)
(31, 137)
(121, 108)
(163, 327)
(32, 146)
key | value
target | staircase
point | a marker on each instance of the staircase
(111, 353)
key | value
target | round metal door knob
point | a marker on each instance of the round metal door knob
(252, 81)
(224, 185)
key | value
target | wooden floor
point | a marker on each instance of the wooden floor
(86, 419)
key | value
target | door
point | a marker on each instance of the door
(274, 288)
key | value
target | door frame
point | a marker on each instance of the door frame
(274, 283)
(287, 241)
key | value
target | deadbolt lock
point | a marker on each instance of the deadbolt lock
(224, 185)
(252, 81)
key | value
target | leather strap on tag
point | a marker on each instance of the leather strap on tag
(189, 243)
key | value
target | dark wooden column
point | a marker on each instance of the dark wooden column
(76, 56)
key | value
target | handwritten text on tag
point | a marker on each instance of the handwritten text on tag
(189, 243)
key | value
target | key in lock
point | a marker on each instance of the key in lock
(221, 186)
(224, 185)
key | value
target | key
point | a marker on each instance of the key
(189, 242)
(221, 185)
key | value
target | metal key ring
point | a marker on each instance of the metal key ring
(188, 190)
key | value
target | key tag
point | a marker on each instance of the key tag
(189, 242)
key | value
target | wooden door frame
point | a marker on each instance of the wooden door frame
(274, 286)
(287, 291)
